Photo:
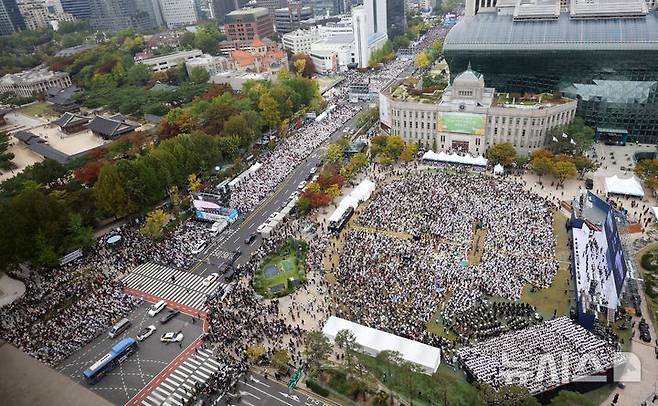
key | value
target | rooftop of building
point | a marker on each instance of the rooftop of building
(174, 55)
(254, 12)
(528, 101)
(490, 31)
(34, 75)
(75, 50)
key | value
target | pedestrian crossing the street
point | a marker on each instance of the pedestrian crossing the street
(171, 284)
(176, 390)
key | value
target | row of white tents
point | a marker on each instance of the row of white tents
(372, 342)
(361, 193)
(455, 158)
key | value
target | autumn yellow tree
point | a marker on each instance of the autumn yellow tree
(194, 183)
(422, 60)
(154, 225)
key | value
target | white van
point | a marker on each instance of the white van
(201, 245)
(157, 308)
(218, 227)
(119, 328)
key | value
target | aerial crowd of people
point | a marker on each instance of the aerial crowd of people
(412, 256)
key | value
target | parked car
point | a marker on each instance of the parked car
(145, 333)
(210, 279)
(250, 239)
(301, 185)
(172, 337)
(157, 308)
(168, 316)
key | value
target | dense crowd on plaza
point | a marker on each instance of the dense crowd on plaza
(513, 358)
(62, 311)
(437, 218)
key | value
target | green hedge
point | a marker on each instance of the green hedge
(646, 262)
(317, 388)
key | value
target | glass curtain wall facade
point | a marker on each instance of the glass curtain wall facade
(609, 66)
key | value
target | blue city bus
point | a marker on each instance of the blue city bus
(109, 361)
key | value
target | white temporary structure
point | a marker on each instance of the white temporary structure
(455, 158)
(655, 212)
(498, 169)
(245, 175)
(373, 341)
(359, 194)
(627, 187)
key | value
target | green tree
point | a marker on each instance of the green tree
(269, 110)
(80, 236)
(333, 191)
(394, 146)
(409, 152)
(335, 153)
(199, 75)
(422, 60)
(647, 170)
(5, 157)
(569, 398)
(541, 165)
(280, 360)
(503, 154)
(359, 161)
(316, 348)
(138, 74)
(255, 352)
(154, 224)
(110, 193)
(563, 170)
(521, 161)
(187, 40)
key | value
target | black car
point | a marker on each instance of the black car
(250, 239)
(168, 316)
(589, 184)
(236, 255)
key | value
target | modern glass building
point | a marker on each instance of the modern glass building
(609, 64)
(11, 19)
(397, 22)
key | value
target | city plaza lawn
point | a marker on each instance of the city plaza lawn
(283, 270)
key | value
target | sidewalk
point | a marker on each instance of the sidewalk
(10, 290)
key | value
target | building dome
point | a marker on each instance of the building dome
(468, 78)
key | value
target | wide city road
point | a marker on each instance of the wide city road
(233, 238)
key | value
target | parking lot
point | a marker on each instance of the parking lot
(120, 385)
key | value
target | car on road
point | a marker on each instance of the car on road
(250, 239)
(236, 255)
(301, 185)
(210, 279)
(172, 337)
(276, 213)
(261, 228)
(168, 316)
(201, 245)
(230, 274)
(145, 332)
(313, 170)
(294, 195)
(157, 308)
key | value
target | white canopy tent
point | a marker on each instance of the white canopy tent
(359, 194)
(373, 341)
(498, 169)
(627, 187)
(455, 158)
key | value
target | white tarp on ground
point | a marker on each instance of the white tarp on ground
(455, 158)
(628, 187)
(359, 194)
(374, 341)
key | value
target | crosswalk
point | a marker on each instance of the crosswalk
(176, 389)
(171, 284)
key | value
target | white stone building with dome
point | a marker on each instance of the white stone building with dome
(466, 116)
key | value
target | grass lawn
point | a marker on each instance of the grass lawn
(553, 297)
(445, 384)
(289, 263)
(650, 276)
(37, 110)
